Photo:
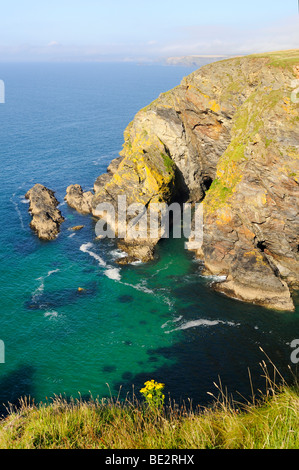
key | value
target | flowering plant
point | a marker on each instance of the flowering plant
(153, 395)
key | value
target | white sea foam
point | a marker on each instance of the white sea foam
(40, 289)
(215, 278)
(166, 300)
(16, 206)
(175, 320)
(193, 323)
(24, 200)
(71, 235)
(51, 314)
(116, 254)
(155, 293)
(86, 249)
(201, 322)
(141, 287)
(161, 269)
(113, 273)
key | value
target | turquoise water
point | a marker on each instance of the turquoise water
(62, 124)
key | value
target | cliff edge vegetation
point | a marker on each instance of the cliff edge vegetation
(269, 423)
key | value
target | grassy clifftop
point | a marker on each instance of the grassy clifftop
(284, 59)
(270, 424)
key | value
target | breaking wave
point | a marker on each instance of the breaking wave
(215, 278)
(111, 272)
(114, 273)
(86, 249)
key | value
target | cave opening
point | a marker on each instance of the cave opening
(261, 245)
(206, 183)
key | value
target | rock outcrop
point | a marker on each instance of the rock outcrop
(78, 199)
(251, 210)
(103, 179)
(227, 136)
(145, 174)
(46, 218)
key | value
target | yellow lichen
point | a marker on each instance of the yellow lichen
(214, 106)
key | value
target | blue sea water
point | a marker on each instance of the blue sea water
(63, 124)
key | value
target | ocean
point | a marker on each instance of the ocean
(62, 124)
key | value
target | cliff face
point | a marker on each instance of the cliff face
(228, 135)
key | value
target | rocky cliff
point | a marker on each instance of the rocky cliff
(228, 136)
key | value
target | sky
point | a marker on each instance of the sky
(130, 30)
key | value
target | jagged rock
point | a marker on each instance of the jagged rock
(46, 218)
(103, 179)
(113, 165)
(124, 260)
(137, 250)
(78, 199)
(143, 177)
(227, 135)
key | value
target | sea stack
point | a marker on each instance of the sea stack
(46, 218)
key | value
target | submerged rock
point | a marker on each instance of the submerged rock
(46, 218)
(76, 227)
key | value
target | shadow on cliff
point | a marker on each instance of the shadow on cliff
(15, 385)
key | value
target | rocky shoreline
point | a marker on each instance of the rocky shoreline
(226, 137)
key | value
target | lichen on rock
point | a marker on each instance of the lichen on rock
(228, 136)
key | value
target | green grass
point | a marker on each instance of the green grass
(217, 195)
(169, 164)
(268, 422)
(283, 59)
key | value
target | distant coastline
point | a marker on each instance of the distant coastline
(197, 60)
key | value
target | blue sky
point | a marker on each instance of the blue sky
(139, 30)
